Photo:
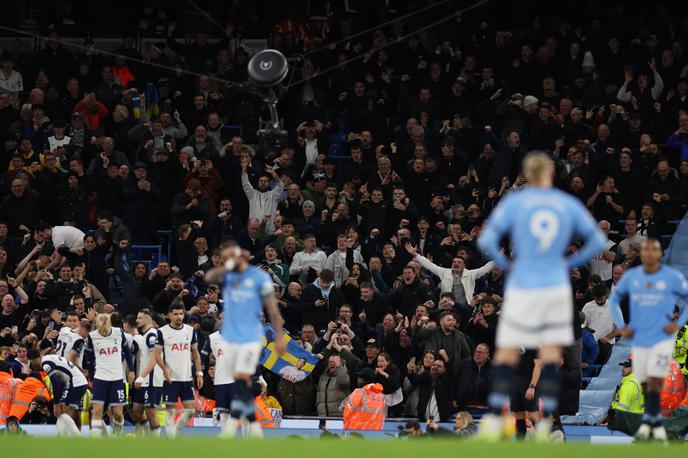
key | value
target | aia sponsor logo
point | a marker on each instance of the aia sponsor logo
(108, 351)
(180, 347)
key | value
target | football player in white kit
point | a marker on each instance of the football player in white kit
(70, 343)
(246, 291)
(224, 382)
(69, 386)
(104, 353)
(178, 345)
(147, 395)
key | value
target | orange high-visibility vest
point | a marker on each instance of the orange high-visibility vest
(26, 391)
(673, 389)
(8, 386)
(364, 409)
(263, 414)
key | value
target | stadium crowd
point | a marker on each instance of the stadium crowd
(366, 217)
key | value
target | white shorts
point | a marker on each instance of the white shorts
(652, 361)
(238, 359)
(534, 317)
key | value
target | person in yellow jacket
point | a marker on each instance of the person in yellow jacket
(681, 348)
(629, 396)
(365, 407)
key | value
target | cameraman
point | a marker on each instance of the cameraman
(40, 412)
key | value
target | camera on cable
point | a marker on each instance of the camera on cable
(266, 70)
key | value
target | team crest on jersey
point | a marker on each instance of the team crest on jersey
(237, 282)
(648, 285)
(661, 285)
(249, 283)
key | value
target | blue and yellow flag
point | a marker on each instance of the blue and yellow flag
(295, 364)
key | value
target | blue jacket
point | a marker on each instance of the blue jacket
(675, 142)
(591, 349)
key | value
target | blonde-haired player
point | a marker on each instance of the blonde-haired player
(540, 222)
(103, 356)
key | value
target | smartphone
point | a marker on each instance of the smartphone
(15, 328)
(412, 360)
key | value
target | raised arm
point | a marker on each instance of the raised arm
(493, 232)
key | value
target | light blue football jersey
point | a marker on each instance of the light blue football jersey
(540, 223)
(652, 297)
(243, 294)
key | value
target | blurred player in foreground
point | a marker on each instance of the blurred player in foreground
(652, 290)
(245, 290)
(538, 302)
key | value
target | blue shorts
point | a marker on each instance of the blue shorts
(148, 396)
(224, 395)
(73, 396)
(173, 391)
(109, 392)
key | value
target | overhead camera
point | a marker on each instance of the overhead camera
(266, 70)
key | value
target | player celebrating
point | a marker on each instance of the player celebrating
(69, 386)
(105, 350)
(652, 289)
(538, 303)
(246, 289)
(177, 344)
(148, 389)
(69, 341)
(224, 382)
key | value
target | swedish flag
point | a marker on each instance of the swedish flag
(295, 364)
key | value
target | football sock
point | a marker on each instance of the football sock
(652, 408)
(521, 428)
(550, 387)
(502, 375)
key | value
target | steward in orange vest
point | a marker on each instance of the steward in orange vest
(365, 408)
(8, 387)
(673, 389)
(25, 392)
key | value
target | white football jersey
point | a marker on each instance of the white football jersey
(108, 352)
(57, 366)
(176, 345)
(145, 345)
(69, 340)
(218, 347)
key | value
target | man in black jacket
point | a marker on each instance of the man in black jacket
(321, 300)
(225, 226)
(409, 294)
(174, 288)
(373, 305)
(438, 381)
(473, 379)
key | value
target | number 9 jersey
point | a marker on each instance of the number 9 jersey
(541, 224)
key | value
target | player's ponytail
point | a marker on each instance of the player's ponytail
(537, 166)
(103, 324)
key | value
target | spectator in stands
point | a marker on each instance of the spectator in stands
(333, 388)
(473, 379)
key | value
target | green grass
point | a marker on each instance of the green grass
(302, 448)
